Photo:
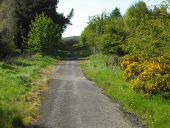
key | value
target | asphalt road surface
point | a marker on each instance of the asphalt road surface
(73, 101)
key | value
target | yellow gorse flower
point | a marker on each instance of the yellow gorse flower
(147, 76)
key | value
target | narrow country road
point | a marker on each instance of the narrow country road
(75, 102)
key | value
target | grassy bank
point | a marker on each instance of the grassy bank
(20, 87)
(154, 111)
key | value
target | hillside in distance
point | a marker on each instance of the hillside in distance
(71, 38)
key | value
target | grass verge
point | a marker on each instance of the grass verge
(21, 83)
(154, 111)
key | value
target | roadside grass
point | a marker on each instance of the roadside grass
(20, 88)
(154, 111)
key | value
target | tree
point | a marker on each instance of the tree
(116, 13)
(25, 12)
(88, 36)
(150, 40)
(114, 36)
(7, 28)
(44, 34)
(105, 33)
(136, 14)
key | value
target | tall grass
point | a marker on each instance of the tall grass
(16, 82)
(154, 111)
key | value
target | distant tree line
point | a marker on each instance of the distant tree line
(16, 17)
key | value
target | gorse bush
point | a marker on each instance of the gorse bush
(132, 71)
(44, 34)
(149, 76)
(127, 60)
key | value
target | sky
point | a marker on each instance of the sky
(85, 8)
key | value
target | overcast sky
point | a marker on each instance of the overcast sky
(85, 8)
